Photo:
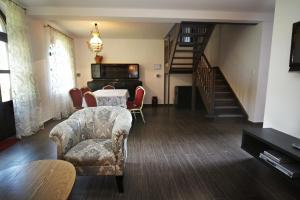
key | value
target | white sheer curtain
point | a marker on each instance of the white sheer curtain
(61, 72)
(24, 92)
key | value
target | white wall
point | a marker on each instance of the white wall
(239, 61)
(145, 52)
(283, 97)
(243, 58)
(212, 48)
(264, 61)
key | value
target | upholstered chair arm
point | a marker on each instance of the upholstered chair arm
(120, 131)
(65, 135)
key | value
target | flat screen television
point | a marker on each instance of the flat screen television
(295, 48)
(115, 71)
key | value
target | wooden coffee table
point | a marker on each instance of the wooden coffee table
(42, 179)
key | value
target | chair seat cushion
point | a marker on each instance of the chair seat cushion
(92, 152)
(131, 105)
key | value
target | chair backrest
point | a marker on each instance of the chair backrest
(84, 90)
(76, 97)
(98, 122)
(108, 87)
(90, 99)
(139, 96)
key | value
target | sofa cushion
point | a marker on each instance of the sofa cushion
(91, 152)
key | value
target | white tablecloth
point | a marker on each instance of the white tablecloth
(115, 97)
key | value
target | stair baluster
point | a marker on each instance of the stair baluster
(206, 83)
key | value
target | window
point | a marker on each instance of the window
(5, 85)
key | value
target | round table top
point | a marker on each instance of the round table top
(42, 179)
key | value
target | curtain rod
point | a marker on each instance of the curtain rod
(18, 5)
(49, 26)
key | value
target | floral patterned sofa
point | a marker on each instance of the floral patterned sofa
(94, 140)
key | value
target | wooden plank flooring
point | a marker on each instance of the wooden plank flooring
(177, 154)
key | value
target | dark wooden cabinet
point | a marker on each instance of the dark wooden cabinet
(121, 76)
(7, 120)
(115, 71)
(183, 98)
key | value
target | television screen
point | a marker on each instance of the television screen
(295, 48)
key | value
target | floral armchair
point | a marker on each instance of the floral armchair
(94, 140)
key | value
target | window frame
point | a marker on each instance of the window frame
(3, 38)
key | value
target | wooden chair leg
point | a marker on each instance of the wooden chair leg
(119, 180)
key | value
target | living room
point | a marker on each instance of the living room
(171, 153)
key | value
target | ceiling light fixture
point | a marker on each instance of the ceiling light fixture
(95, 43)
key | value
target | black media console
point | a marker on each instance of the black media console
(258, 140)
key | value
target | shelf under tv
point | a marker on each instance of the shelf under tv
(258, 140)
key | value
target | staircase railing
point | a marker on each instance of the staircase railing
(195, 35)
(171, 40)
(202, 39)
(205, 81)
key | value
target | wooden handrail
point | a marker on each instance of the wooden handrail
(177, 31)
(206, 75)
(206, 60)
(174, 33)
(170, 32)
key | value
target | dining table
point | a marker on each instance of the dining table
(112, 97)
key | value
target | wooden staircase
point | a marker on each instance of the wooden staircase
(182, 62)
(217, 95)
(184, 54)
(226, 103)
(186, 40)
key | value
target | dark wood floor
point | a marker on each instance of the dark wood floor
(175, 155)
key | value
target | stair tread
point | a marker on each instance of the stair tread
(181, 70)
(182, 63)
(224, 85)
(224, 99)
(223, 89)
(181, 57)
(231, 115)
(223, 92)
(184, 50)
(227, 107)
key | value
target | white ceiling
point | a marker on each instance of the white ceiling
(223, 5)
(134, 18)
(116, 29)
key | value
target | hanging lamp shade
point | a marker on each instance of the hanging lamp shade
(95, 42)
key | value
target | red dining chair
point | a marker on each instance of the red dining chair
(108, 87)
(84, 90)
(137, 105)
(90, 99)
(76, 97)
